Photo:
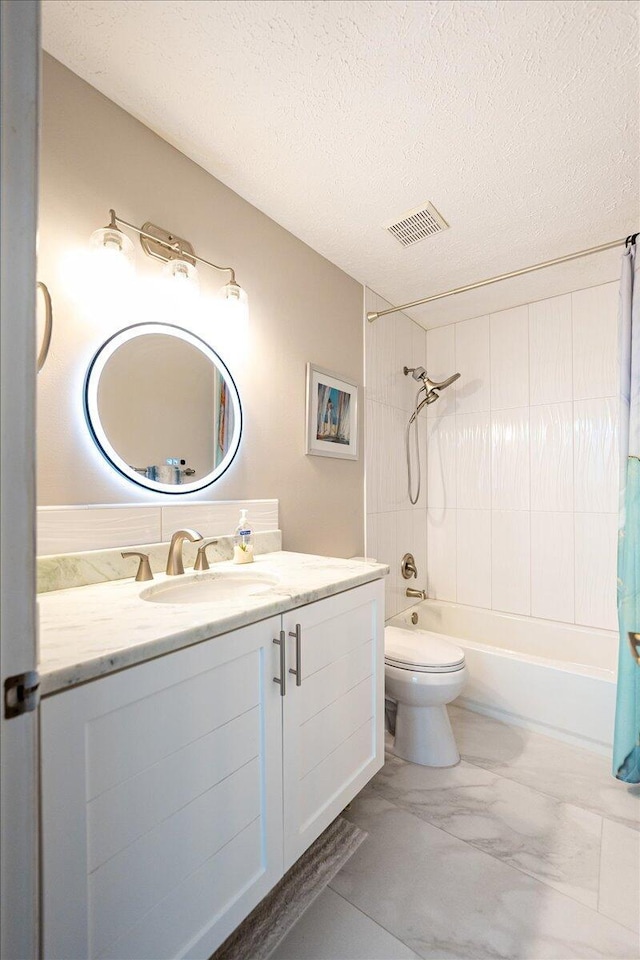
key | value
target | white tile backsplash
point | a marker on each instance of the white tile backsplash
(520, 475)
(510, 358)
(551, 429)
(74, 529)
(219, 519)
(595, 342)
(550, 350)
(473, 364)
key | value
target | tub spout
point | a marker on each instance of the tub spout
(417, 594)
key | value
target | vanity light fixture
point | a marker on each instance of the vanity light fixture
(176, 252)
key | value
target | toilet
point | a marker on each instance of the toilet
(423, 672)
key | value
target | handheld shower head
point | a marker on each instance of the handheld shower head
(443, 383)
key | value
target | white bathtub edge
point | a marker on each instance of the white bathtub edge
(556, 733)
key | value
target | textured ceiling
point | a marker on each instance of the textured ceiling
(518, 120)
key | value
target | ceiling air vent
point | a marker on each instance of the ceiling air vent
(424, 221)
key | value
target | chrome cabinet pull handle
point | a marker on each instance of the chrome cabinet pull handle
(282, 679)
(298, 670)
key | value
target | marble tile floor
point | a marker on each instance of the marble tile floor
(527, 850)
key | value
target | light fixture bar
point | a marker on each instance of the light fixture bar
(175, 247)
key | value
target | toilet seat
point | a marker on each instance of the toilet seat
(421, 651)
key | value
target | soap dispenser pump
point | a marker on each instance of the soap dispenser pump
(242, 541)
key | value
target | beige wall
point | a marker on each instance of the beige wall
(302, 308)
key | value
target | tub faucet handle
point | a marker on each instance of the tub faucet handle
(408, 567)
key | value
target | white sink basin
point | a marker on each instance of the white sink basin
(210, 588)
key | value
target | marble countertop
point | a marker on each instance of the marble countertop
(88, 632)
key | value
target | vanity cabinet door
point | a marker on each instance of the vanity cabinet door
(162, 801)
(333, 722)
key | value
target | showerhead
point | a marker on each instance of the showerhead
(443, 383)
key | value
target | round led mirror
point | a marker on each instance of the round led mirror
(163, 408)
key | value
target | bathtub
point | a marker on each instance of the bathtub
(555, 678)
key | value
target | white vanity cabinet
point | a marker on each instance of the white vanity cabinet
(165, 786)
(333, 731)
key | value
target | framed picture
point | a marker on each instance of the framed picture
(332, 414)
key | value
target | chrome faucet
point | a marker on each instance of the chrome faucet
(175, 565)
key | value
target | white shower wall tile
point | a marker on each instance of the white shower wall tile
(411, 538)
(441, 462)
(551, 429)
(441, 356)
(373, 460)
(441, 554)
(596, 542)
(474, 558)
(418, 346)
(550, 350)
(511, 561)
(473, 461)
(595, 341)
(387, 537)
(371, 536)
(535, 429)
(510, 358)
(380, 353)
(472, 361)
(552, 566)
(404, 386)
(387, 459)
(510, 475)
(596, 465)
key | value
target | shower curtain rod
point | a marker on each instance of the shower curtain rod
(504, 276)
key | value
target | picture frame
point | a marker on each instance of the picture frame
(332, 414)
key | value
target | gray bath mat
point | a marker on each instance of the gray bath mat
(268, 924)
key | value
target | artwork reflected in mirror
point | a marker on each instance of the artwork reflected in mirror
(163, 408)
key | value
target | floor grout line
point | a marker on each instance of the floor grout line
(478, 849)
(369, 917)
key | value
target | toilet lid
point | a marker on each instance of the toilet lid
(421, 650)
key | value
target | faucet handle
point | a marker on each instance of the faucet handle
(144, 568)
(202, 562)
(408, 567)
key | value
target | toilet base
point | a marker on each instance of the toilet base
(424, 736)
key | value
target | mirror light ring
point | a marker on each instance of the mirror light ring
(92, 416)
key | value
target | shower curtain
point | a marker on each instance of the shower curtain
(626, 745)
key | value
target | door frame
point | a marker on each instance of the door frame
(19, 115)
